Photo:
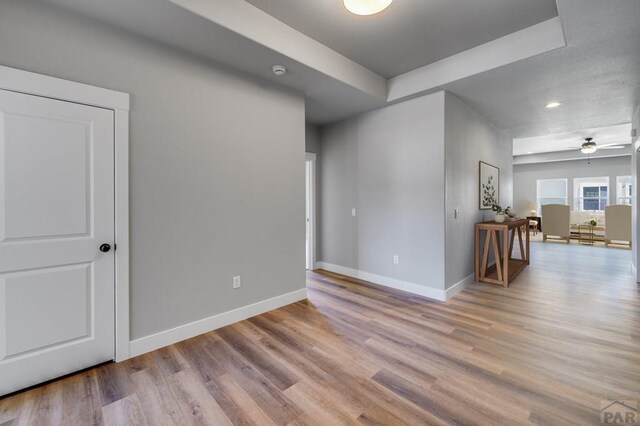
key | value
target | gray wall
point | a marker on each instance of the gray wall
(312, 138)
(389, 165)
(525, 176)
(469, 139)
(217, 175)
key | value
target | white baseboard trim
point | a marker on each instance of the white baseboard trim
(409, 287)
(186, 331)
(459, 286)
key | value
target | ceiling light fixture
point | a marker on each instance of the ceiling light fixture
(552, 105)
(589, 147)
(366, 7)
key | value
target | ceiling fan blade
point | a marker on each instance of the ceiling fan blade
(610, 144)
(611, 147)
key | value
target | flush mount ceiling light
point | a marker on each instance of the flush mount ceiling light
(366, 7)
(552, 105)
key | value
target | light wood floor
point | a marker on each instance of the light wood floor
(547, 350)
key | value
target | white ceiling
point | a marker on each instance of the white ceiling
(596, 76)
(410, 33)
(568, 141)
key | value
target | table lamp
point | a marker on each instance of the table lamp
(534, 209)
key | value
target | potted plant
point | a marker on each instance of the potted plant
(498, 212)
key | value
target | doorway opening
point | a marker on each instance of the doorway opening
(310, 210)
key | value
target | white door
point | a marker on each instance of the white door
(56, 211)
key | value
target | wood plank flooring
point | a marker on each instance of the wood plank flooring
(547, 350)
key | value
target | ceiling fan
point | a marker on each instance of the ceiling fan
(589, 146)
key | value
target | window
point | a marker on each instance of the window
(551, 191)
(591, 194)
(624, 190)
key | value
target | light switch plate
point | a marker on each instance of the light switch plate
(237, 282)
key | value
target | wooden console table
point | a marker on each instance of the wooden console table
(505, 268)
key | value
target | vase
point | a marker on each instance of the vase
(499, 218)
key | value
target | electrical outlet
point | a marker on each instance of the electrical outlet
(237, 282)
(396, 260)
(353, 212)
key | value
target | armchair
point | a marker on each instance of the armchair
(618, 224)
(555, 218)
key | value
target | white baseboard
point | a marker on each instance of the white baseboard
(409, 287)
(186, 331)
(459, 286)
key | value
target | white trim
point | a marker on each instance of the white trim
(311, 157)
(50, 87)
(534, 40)
(122, 233)
(409, 287)
(459, 286)
(634, 271)
(186, 331)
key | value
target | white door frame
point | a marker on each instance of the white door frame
(310, 187)
(50, 87)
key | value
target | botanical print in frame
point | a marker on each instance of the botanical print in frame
(489, 185)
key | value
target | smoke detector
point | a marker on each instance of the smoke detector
(279, 69)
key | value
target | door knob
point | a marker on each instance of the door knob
(105, 248)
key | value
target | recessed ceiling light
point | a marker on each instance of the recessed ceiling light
(530, 152)
(551, 105)
(366, 7)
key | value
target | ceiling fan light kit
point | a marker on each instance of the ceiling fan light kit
(589, 147)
